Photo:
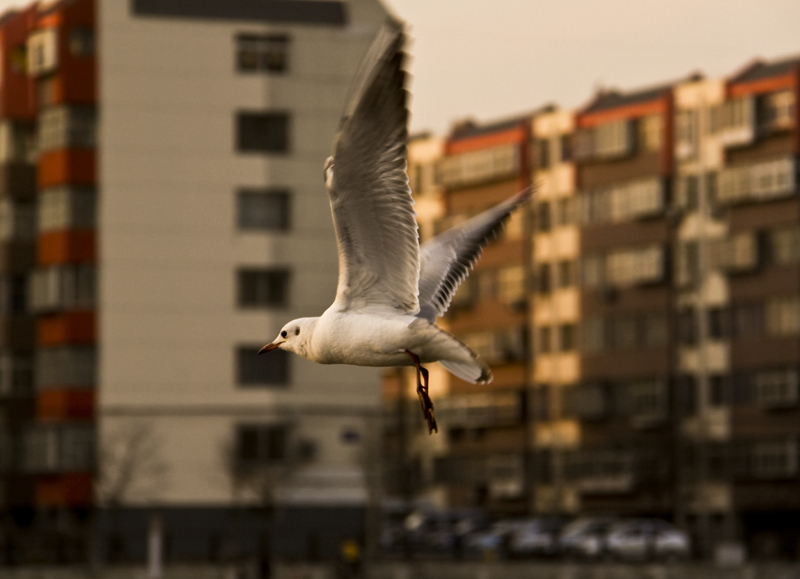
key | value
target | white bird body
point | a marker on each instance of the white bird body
(372, 339)
(390, 290)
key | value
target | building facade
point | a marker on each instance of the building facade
(661, 300)
(166, 215)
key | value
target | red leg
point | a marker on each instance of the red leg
(422, 392)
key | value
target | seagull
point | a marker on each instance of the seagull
(390, 290)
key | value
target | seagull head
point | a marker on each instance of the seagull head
(293, 337)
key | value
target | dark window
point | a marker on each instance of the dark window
(263, 288)
(543, 147)
(543, 220)
(747, 319)
(566, 210)
(687, 394)
(271, 369)
(716, 323)
(691, 185)
(717, 390)
(687, 326)
(566, 337)
(263, 210)
(260, 444)
(262, 132)
(543, 283)
(566, 147)
(544, 339)
(565, 273)
(262, 53)
(540, 403)
(81, 41)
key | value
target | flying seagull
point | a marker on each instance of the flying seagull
(390, 290)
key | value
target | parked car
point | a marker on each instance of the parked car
(585, 537)
(647, 539)
(492, 540)
(536, 538)
(441, 532)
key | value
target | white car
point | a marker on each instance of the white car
(536, 538)
(647, 539)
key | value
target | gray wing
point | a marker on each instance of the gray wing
(447, 259)
(373, 213)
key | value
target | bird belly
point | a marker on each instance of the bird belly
(367, 340)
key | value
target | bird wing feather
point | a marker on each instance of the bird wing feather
(373, 213)
(446, 260)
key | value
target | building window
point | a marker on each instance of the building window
(58, 448)
(262, 53)
(544, 340)
(13, 295)
(543, 220)
(687, 326)
(648, 401)
(774, 459)
(67, 207)
(566, 273)
(262, 132)
(16, 375)
(543, 147)
(258, 445)
(67, 126)
(783, 316)
(501, 346)
(650, 128)
(716, 323)
(272, 369)
(543, 282)
(566, 211)
(747, 319)
(566, 337)
(776, 388)
(565, 143)
(17, 220)
(63, 287)
(588, 401)
(717, 390)
(638, 199)
(784, 245)
(263, 210)
(511, 282)
(263, 288)
(81, 41)
(66, 366)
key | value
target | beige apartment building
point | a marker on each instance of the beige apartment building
(554, 309)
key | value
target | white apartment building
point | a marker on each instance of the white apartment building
(215, 230)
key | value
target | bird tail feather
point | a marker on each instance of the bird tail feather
(476, 371)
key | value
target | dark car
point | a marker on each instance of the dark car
(584, 538)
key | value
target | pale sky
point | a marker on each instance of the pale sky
(490, 59)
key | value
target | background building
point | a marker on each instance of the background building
(177, 220)
(663, 301)
(554, 311)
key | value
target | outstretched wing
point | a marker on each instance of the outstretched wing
(447, 259)
(373, 211)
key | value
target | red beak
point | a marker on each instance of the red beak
(269, 347)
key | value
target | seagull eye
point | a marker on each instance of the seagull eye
(297, 332)
(283, 334)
